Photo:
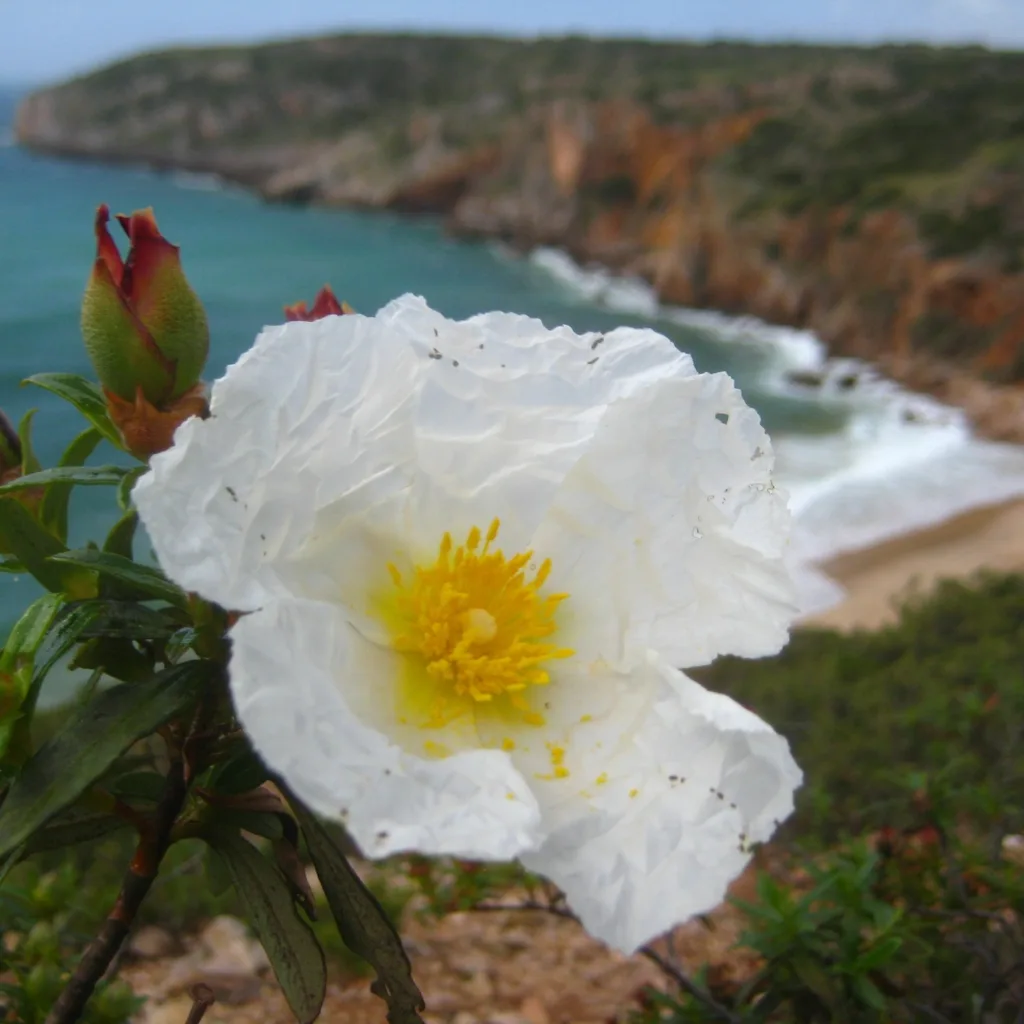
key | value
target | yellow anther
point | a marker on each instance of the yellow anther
(479, 628)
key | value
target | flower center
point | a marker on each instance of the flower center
(478, 627)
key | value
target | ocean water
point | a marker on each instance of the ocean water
(861, 459)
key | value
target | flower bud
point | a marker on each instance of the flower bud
(143, 325)
(17, 459)
(325, 304)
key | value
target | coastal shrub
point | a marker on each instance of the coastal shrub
(889, 724)
(912, 928)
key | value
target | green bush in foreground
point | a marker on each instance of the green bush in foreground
(924, 716)
(910, 738)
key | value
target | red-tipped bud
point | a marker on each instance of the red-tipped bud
(325, 304)
(143, 325)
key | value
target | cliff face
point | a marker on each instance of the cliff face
(875, 196)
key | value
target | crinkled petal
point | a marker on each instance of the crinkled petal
(668, 533)
(298, 671)
(403, 418)
(680, 798)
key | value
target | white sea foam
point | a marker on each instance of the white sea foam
(900, 462)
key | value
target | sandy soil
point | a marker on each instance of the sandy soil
(877, 578)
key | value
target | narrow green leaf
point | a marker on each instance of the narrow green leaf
(85, 396)
(23, 536)
(145, 581)
(128, 620)
(119, 540)
(30, 631)
(114, 657)
(180, 643)
(138, 786)
(66, 765)
(817, 979)
(29, 462)
(124, 488)
(239, 773)
(64, 634)
(257, 823)
(67, 831)
(218, 878)
(53, 512)
(87, 476)
(290, 945)
(869, 994)
(17, 662)
(362, 921)
(878, 955)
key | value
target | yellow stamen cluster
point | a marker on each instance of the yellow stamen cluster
(479, 625)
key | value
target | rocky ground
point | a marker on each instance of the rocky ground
(504, 967)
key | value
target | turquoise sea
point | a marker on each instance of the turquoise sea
(861, 459)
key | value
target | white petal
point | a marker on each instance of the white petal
(709, 778)
(312, 412)
(297, 669)
(669, 532)
(406, 417)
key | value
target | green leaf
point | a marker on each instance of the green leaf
(180, 643)
(87, 476)
(23, 536)
(878, 955)
(29, 632)
(817, 979)
(64, 634)
(100, 732)
(114, 657)
(258, 823)
(238, 774)
(85, 396)
(29, 462)
(218, 878)
(290, 945)
(138, 786)
(74, 829)
(362, 921)
(17, 662)
(53, 512)
(128, 620)
(124, 488)
(119, 542)
(146, 582)
(869, 994)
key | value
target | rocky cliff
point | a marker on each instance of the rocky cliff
(875, 196)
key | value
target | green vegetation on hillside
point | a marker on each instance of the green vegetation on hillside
(937, 132)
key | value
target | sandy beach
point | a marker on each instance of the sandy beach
(875, 578)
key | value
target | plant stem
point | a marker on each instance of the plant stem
(202, 999)
(138, 879)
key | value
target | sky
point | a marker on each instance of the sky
(45, 40)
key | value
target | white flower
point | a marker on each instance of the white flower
(473, 554)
